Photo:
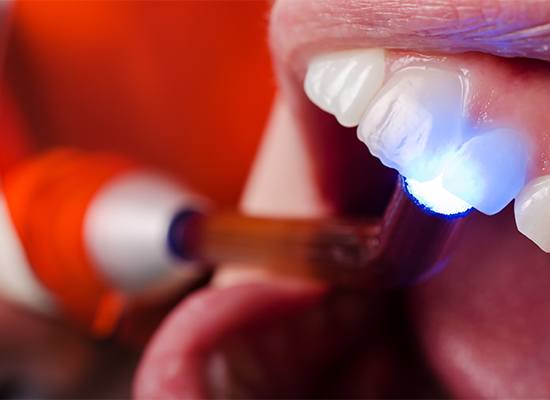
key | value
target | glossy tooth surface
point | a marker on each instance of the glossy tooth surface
(488, 171)
(415, 121)
(343, 83)
(532, 212)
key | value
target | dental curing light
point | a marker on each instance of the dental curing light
(434, 198)
(97, 231)
(398, 249)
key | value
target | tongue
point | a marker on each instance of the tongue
(485, 321)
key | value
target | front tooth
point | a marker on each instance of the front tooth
(343, 83)
(488, 171)
(532, 212)
(415, 122)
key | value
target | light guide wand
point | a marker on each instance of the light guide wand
(393, 250)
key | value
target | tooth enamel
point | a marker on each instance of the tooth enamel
(532, 212)
(488, 171)
(343, 83)
(414, 122)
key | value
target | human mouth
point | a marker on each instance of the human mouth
(474, 321)
(469, 121)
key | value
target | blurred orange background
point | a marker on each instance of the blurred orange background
(185, 86)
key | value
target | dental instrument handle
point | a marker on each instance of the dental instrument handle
(334, 249)
(398, 249)
(92, 233)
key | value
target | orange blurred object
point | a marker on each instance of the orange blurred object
(48, 197)
(16, 144)
(185, 86)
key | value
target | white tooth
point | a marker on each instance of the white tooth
(488, 171)
(414, 122)
(343, 83)
(532, 211)
(314, 82)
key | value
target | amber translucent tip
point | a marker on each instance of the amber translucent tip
(397, 249)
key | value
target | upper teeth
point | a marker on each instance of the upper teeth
(488, 171)
(532, 212)
(343, 83)
(416, 123)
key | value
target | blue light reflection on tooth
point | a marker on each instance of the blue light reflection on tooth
(431, 196)
(489, 170)
(415, 121)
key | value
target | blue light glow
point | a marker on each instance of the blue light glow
(434, 198)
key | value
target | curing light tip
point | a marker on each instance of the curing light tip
(432, 197)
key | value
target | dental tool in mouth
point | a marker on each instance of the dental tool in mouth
(433, 197)
(394, 250)
(123, 230)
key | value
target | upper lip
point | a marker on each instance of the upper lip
(301, 29)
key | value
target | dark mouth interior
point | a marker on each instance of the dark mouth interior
(353, 181)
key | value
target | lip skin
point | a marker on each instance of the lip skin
(504, 28)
